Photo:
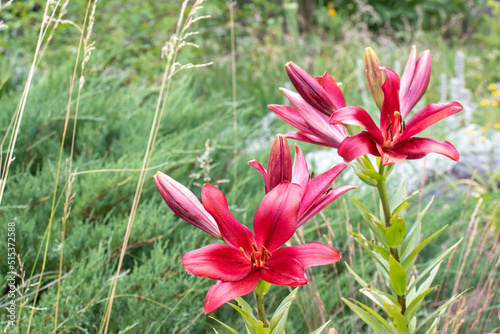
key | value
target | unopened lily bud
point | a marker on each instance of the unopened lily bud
(310, 90)
(185, 204)
(374, 76)
(279, 167)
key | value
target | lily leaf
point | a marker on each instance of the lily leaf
(369, 181)
(373, 175)
(376, 256)
(413, 238)
(225, 326)
(320, 329)
(261, 330)
(249, 320)
(408, 261)
(395, 233)
(400, 320)
(434, 263)
(378, 326)
(438, 312)
(413, 307)
(398, 277)
(278, 321)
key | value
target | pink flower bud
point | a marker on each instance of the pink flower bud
(185, 204)
(374, 76)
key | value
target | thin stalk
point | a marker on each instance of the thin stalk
(382, 190)
(261, 308)
(235, 115)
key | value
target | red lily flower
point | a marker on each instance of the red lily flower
(394, 140)
(246, 258)
(315, 191)
(185, 204)
(316, 100)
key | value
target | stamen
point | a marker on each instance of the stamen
(392, 136)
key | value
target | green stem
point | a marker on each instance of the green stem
(261, 309)
(382, 190)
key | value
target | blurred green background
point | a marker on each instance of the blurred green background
(122, 81)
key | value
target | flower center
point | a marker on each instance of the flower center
(257, 258)
(394, 129)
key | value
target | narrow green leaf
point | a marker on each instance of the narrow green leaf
(368, 163)
(374, 324)
(247, 317)
(399, 196)
(250, 326)
(366, 179)
(395, 233)
(320, 329)
(434, 263)
(373, 175)
(398, 276)
(440, 310)
(413, 307)
(413, 238)
(261, 330)
(400, 320)
(408, 261)
(400, 207)
(278, 321)
(376, 256)
(225, 326)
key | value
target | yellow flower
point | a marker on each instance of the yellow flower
(472, 133)
(332, 12)
(330, 4)
(492, 86)
(494, 103)
(484, 102)
(495, 93)
(482, 139)
(483, 129)
(497, 126)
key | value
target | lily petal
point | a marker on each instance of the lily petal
(431, 114)
(355, 146)
(255, 164)
(359, 117)
(313, 139)
(391, 98)
(279, 167)
(232, 231)
(311, 254)
(222, 292)
(185, 204)
(309, 89)
(407, 77)
(333, 90)
(390, 157)
(289, 115)
(418, 83)
(317, 122)
(217, 261)
(300, 172)
(284, 270)
(416, 148)
(318, 187)
(276, 218)
(322, 202)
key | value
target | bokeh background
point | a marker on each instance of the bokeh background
(71, 186)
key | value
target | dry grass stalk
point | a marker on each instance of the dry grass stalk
(15, 123)
(231, 5)
(471, 230)
(170, 51)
